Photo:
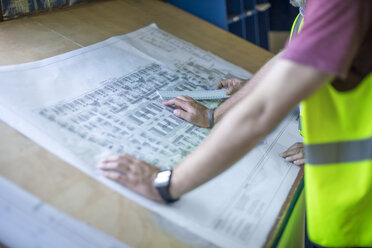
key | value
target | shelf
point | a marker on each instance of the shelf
(248, 19)
(234, 7)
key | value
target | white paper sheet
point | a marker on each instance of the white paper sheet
(102, 100)
(26, 221)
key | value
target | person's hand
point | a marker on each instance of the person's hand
(133, 173)
(232, 85)
(189, 110)
(295, 154)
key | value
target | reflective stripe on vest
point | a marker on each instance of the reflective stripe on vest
(339, 152)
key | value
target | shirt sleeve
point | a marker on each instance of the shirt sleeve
(331, 35)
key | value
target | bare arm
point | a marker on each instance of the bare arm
(237, 133)
(243, 126)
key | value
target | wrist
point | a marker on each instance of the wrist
(174, 187)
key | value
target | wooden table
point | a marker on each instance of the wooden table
(53, 180)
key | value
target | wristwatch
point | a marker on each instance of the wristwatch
(162, 183)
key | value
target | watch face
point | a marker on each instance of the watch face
(162, 178)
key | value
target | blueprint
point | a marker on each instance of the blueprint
(102, 100)
(126, 115)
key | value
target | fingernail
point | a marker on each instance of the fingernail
(287, 158)
(176, 112)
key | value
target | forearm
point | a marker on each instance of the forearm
(257, 77)
(247, 122)
(234, 136)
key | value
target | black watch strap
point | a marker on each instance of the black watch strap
(164, 193)
(163, 187)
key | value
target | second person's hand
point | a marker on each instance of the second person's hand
(232, 85)
(295, 154)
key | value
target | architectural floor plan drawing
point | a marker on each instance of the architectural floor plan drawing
(102, 99)
(126, 114)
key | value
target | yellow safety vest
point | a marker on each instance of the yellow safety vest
(338, 169)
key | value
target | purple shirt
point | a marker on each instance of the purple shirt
(337, 38)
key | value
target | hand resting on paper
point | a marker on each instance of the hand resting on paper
(295, 154)
(190, 110)
(133, 173)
